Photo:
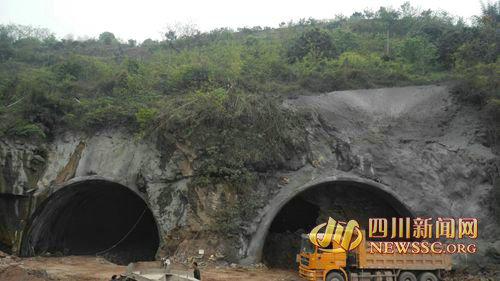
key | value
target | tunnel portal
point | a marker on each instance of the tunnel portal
(93, 217)
(340, 200)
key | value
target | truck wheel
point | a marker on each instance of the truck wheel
(407, 276)
(427, 276)
(335, 276)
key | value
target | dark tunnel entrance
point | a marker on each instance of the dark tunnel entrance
(93, 217)
(339, 200)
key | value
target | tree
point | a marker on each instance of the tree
(481, 44)
(170, 35)
(107, 38)
(345, 40)
(315, 41)
(490, 14)
(18, 31)
(419, 52)
(6, 49)
(448, 44)
(181, 30)
(388, 17)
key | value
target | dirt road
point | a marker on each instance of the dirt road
(84, 268)
(59, 268)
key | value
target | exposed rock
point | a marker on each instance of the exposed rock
(21, 166)
(430, 159)
(343, 153)
(69, 171)
(415, 143)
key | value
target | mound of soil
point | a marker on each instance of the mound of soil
(17, 273)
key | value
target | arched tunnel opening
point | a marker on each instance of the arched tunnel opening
(340, 200)
(93, 217)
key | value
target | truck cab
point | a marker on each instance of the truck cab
(315, 264)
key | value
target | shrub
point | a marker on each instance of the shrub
(145, 117)
(235, 133)
(478, 84)
(418, 52)
(27, 131)
(314, 41)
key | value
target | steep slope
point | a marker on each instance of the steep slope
(412, 151)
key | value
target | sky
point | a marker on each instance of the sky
(142, 19)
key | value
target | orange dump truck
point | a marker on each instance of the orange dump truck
(361, 265)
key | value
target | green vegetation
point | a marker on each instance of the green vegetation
(220, 92)
(235, 133)
(218, 80)
(477, 68)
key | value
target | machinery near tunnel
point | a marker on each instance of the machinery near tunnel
(345, 200)
(340, 199)
(93, 217)
(362, 265)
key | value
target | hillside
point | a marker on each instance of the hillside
(47, 84)
(237, 141)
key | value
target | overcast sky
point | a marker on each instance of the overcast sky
(141, 19)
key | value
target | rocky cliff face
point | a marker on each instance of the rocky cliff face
(427, 154)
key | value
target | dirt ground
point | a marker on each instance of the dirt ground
(85, 268)
(228, 274)
(98, 269)
(58, 268)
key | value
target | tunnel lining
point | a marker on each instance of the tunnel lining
(89, 216)
(254, 253)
